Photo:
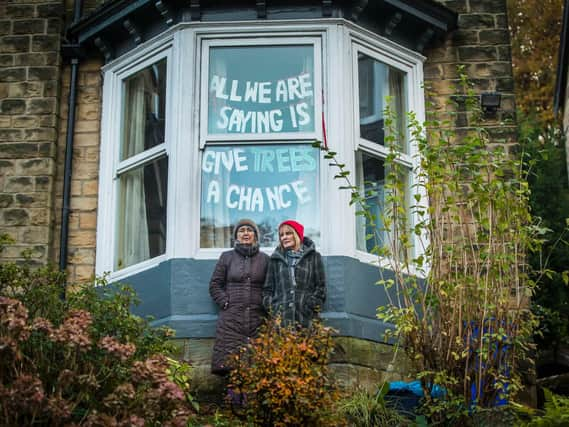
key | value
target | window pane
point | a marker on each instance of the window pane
(144, 110)
(371, 183)
(378, 81)
(261, 89)
(142, 213)
(372, 174)
(267, 183)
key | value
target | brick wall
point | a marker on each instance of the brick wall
(30, 36)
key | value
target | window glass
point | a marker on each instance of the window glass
(267, 183)
(261, 89)
(379, 83)
(371, 173)
(142, 213)
(144, 110)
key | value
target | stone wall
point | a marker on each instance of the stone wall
(30, 71)
(355, 363)
(85, 171)
(481, 44)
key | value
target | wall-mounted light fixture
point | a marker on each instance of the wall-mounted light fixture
(490, 102)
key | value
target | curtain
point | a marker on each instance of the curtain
(214, 217)
(133, 240)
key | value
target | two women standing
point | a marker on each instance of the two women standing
(246, 285)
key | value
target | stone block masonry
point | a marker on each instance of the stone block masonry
(30, 76)
(85, 175)
(481, 44)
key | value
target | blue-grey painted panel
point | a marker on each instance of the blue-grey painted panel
(153, 289)
(363, 295)
(191, 326)
(335, 284)
(176, 294)
(190, 286)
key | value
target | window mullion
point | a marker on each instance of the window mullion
(141, 159)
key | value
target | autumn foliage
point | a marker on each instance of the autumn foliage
(82, 360)
(535, 28)
(284, 376)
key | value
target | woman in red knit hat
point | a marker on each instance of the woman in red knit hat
(295, 287)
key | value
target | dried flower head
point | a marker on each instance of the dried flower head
(117, 349)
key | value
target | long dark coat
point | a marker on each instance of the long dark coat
(236, 287)
(295, 304)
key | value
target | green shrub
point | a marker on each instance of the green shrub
(283, 374)
(556, 411)
(85, 359)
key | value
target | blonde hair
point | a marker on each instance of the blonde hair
(297, 242)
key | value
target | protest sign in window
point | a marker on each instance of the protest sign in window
(267, 183)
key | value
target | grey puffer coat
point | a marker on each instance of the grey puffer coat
(298, 301)
(236, 287)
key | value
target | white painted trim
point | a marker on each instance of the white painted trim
(114, 276)
(131, 60)
(110, 165)
(184, 158)
(385, 263)
(141, 159)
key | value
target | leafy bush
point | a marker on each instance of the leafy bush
(84, 359)
(549, 200)
(457, 279)
(556, 411)
(283, 374)
(363, 409)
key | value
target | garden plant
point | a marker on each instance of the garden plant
(284, 378)
(452, 253)
(84, 359)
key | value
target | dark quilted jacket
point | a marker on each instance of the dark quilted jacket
(238, 281)
(300, 303)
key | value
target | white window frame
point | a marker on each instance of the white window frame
(284, 35)
(268, 137)
(410, 63)
(112, 167)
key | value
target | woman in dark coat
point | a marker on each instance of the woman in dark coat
(236, 287)
(295, 287)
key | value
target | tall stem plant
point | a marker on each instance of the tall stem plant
(456, 278)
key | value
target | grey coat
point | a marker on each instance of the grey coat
(300, 300)
(236, 287)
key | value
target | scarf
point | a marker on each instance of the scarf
(246, 250)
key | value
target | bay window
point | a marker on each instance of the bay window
(204, 126)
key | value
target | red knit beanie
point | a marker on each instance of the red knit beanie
(297, 226)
